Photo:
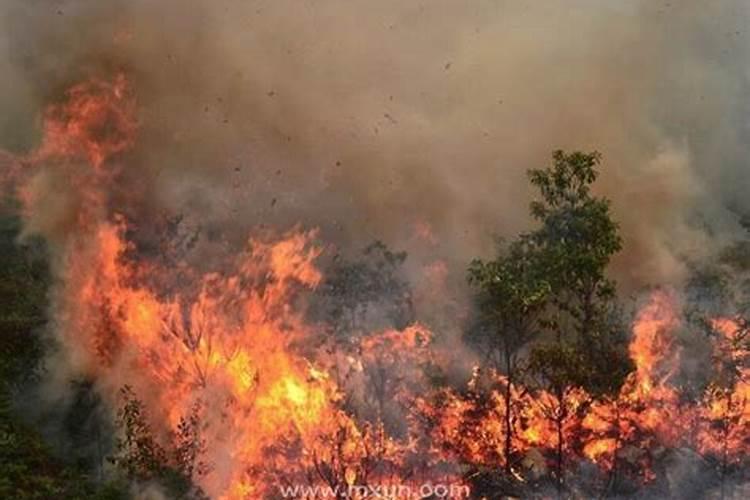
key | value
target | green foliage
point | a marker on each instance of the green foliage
(29, 468)
(546, 308)
(85, 430)
(577, 235)
(575, 242)
(24, 278)
(558, 364)
(512, 290)
(142, 458)
(553, 280)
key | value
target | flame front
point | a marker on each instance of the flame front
(222, 342)
(625, 432)
(231, 343)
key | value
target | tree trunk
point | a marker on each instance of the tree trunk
(559, 420)
(508, 416)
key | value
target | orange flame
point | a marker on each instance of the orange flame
(272, 408)
(93, 124)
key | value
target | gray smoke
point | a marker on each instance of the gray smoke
(373, 119)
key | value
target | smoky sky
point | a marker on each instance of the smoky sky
(374, 119)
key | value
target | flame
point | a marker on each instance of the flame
(94, 123)
(645, 414)
(234, 342)
(226, 341)
(724, 416)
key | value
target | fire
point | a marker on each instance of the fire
(94, 123)
(651, 345)
(232, 344)
(595, 450)
(225, 343)
(647, 414)
(725, 414)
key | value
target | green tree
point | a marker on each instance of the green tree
(24, 279)
(575, 242)
(141, 457)
(512, 293)
(546, 303)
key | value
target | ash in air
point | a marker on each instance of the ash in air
(262, 250)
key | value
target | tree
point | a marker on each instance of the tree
(24, 279)
(30, 468)
(141, 457)
(365, 293)
(718, 305)
(512, 292)
(546, 298)
(575, 242)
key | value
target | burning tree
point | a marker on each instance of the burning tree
(546, 298)
(724, 416)
(255, 370)
(576, 241)
(513, 295)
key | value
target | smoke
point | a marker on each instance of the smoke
(413, 123)
(149, 491)
(371, 119)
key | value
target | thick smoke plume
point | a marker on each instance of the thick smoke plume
(374, 119)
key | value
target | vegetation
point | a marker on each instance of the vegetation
(365, 293)
(547, 308)
(547, 320)
(141, 458)
(29, 467)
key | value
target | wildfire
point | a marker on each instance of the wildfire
(224, 343)
(623, 432)
(94, 123)
(229, 344)
(725, 413)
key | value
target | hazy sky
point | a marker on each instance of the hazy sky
(372, 119)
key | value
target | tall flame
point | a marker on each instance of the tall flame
(229, 344)
(222, 343)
